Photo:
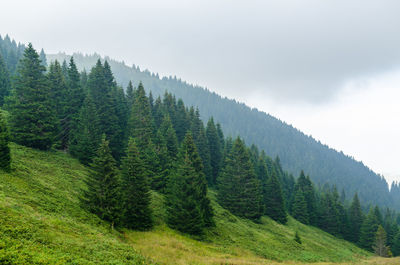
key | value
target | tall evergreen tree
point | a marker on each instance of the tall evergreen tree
(42, 57)
(5, 83)
(355, 219)
(188, 208)
(368, 231)
(102, 196)
(239, 188)
(5, 156)
(136, 192)
(100, 86)
(215, 149)
(380, 247)
(75, 98)
(33, 120)
(87, 136)
(299, 210)
(274, 204)
(58, 95)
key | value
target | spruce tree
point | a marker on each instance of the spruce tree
(42, 57)
(102, 196)
(87, 136)
(396, 245)
(274, 203)
(299, 210)
(355, 219)
(100, 86)
(200, 139)
(33, 121)
(58, 95)
(75, 97)
(5, 83)
(368, 231)
(214, 146)
(239, 188)
(5, 156)
(136, 192)
(380, 248)
(188, 208)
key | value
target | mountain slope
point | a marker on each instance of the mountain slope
(43, 223)
(296, 150)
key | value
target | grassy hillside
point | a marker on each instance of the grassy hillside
(41, 222)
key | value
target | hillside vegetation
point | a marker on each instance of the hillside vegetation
(42, 222)
(296, 150)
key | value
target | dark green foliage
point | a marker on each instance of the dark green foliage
(102, 196)
(200, 139)
(368, 231)
(140, 125)
(58, 98)
(299, 209)
(274, 204)
(296, 150)
(239, 190)
(188, 208)
(355, 219)
(215, 149)
(396, 245)
(75, 97)
(305, 185)
(100, 86)
(136, 192)
(5, 83)
(33, 120)
(86, 137)
(5, 156)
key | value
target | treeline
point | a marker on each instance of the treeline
(296, 150)
(134, 143)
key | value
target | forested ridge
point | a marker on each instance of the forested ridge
(296, 150)
(135, 142)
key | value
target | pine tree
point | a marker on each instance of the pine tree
(297, 237)
(188, 208)
(33, 121)
(5, 83)
(299, 210)
(380, 248)
(136, 193)
(102, 196)
(200, 139)
(75, 98)
(368, 231)
(215, 149)
(5, 156)
(58, 95)
(355, 219)
(239, 188)
(87, 136)
(42, 57)
(100, 86)
(274, 204)
(396, 245)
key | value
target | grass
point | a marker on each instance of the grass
(41, 222)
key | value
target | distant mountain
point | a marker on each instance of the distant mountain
(296, 150)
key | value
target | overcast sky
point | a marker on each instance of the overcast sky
(331, 68)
